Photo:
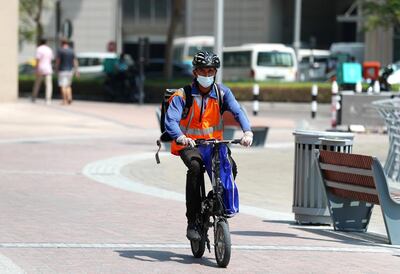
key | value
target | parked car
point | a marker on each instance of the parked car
(186, 47)
(353, 50)
(155, 69)
(91, 63)
(26, 69)
(260, 62)
(312, 64)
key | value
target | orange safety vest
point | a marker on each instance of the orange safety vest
(200, 125)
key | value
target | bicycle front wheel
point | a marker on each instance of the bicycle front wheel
(222, 244)
(198, 247)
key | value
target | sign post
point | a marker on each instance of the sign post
(143, 61)
(67, 29)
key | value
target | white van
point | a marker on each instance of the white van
(259, 62)
(186, 47)
(91, 63)
(312, 64)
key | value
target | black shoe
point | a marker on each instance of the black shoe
(191, 233)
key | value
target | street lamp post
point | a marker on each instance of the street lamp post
(219, 34)
(297, 27)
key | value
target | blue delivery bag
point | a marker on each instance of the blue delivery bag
(230, 195)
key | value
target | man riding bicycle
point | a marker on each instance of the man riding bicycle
(203, 121)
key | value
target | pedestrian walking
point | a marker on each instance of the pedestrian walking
(44, 70)
(67, 66)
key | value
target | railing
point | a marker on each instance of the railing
(389, 109)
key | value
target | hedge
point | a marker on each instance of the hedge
(269, 92)
(93, 89)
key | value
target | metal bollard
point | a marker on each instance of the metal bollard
(358, 87)
(314, 94)
(377, 87)
(256, 92)
(335, 90)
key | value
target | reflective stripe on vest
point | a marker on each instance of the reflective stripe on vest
(204, 131)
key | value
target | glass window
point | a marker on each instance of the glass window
(194, 49)
(83, 62)
(178, 52)
(319, 59)
(145, 9)
(275, 59)
(305, 60)
(160, 9)
(128, 8)
(237, 59)
(96, 62)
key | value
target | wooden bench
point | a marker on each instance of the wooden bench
(353, 184)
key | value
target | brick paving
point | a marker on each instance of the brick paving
(57, 219)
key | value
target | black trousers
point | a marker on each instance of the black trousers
(194, 178)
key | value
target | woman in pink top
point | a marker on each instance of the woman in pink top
(44, 56)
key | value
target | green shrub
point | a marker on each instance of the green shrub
(93, 89)
(269, 91)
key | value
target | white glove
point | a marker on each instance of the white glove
(186, 141)
(247, 139)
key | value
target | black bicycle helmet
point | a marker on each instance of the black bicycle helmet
(206, 59)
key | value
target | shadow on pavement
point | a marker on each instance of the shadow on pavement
(354, 238)
(164, 256)
(325, 236)
(262, 234)
(281, 222)
(326, 231)
(277, 234)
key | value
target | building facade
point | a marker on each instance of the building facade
(96, 23)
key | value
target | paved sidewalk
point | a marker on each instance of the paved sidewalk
(81, 193)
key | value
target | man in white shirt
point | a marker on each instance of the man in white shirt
(44, 56)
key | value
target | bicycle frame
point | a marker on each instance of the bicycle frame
(215, 167)
(212, 204)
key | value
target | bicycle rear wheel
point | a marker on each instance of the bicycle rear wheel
(198, 247)
(222, 244)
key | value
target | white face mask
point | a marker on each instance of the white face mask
(204, 81)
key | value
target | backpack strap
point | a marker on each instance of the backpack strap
(188, 100)
(220, 98)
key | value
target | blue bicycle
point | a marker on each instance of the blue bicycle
(218, 205)
(213, 209)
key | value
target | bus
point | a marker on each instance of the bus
(186, 47)
(259, 62)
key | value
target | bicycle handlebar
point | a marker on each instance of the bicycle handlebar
(215, 141)
(201, 142)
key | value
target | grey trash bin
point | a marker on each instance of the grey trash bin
(309, 202)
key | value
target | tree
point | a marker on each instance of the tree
(385, 13)
(30, 13)
(176, 16)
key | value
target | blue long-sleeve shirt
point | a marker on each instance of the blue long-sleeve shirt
(229, 103)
